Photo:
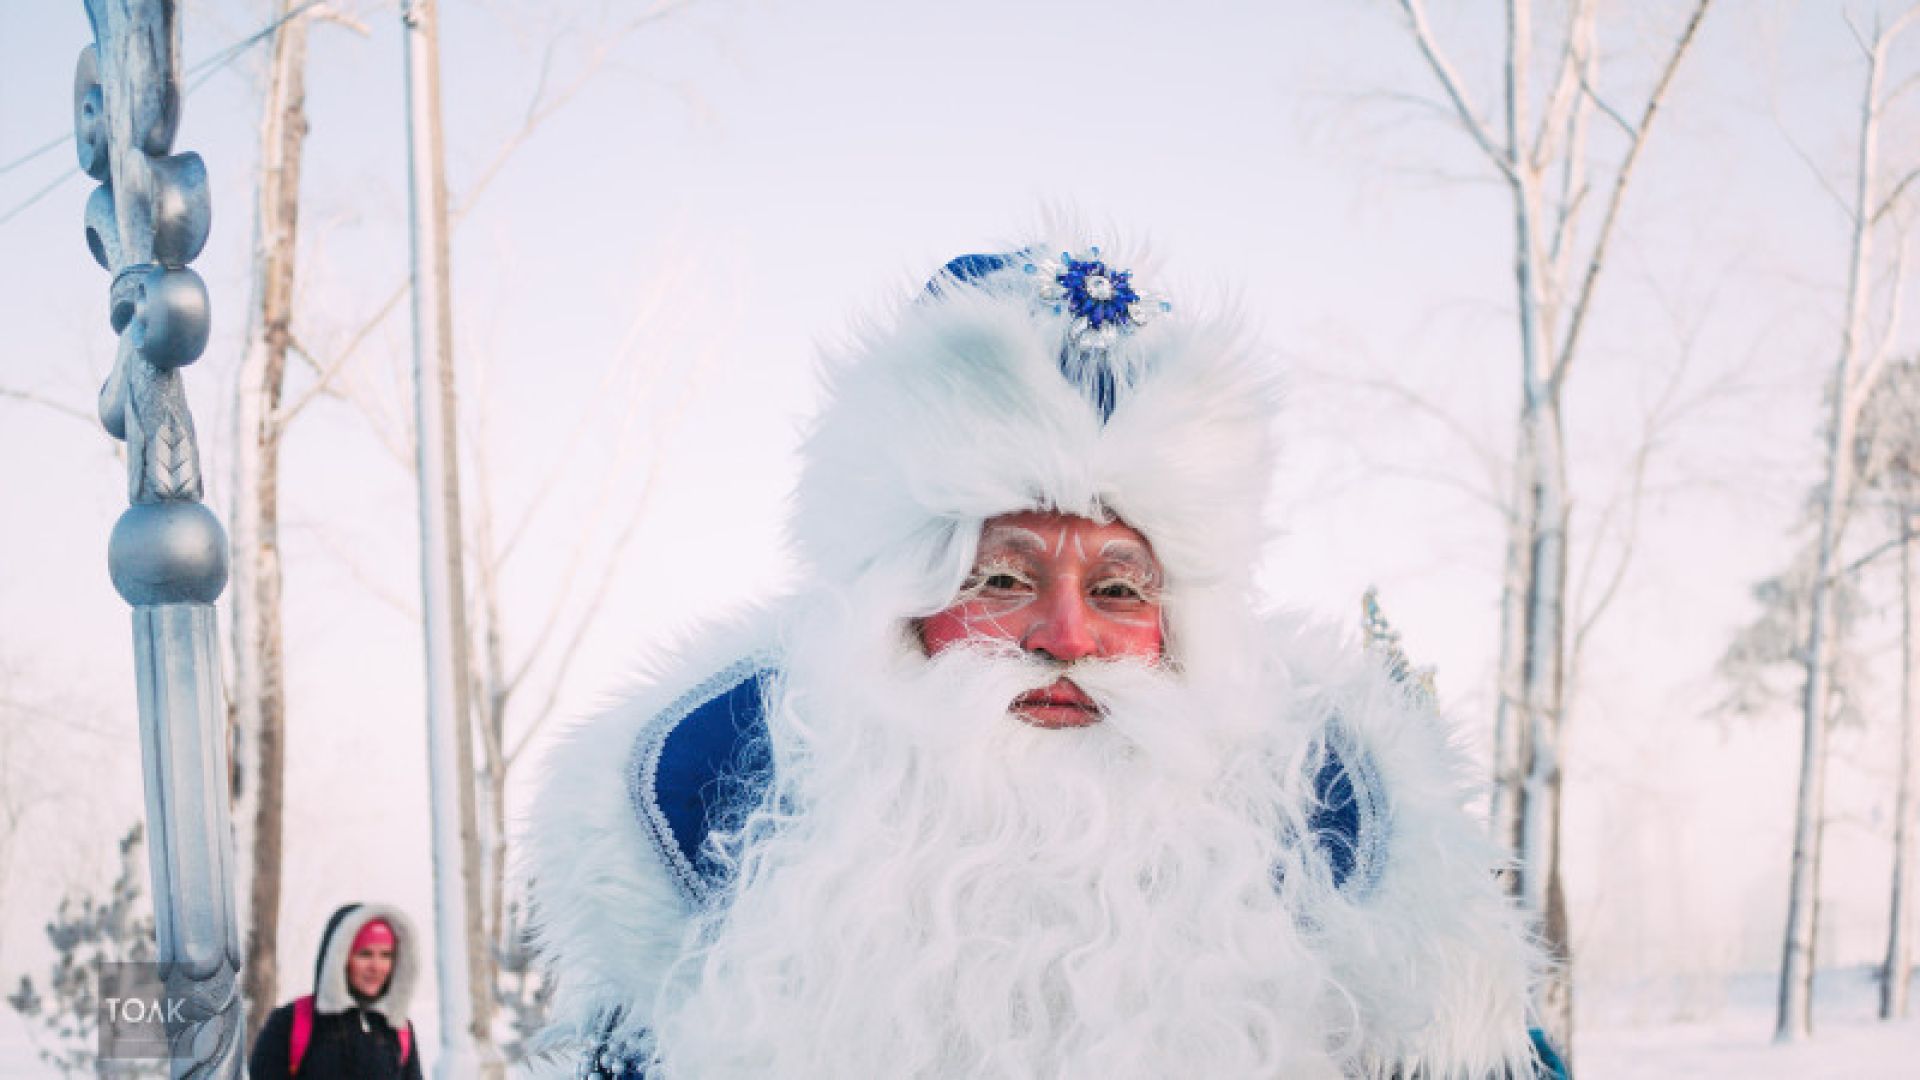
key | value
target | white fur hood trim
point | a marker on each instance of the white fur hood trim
(331, 993)
(1433, 959)
(609, 919)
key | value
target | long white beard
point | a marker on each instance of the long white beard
(935, 888)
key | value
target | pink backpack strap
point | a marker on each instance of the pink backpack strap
(406, 1042)
(303, 1034)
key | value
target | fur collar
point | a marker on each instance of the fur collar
(1434, 961)
(609, 916)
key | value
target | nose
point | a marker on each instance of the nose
(1061, 628)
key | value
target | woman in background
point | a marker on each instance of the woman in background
(354, 1025)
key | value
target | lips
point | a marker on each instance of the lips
(1061, 705)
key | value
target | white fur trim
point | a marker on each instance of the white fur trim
(956, 411)
(608, 917)
(332, 995)
(1433, 959)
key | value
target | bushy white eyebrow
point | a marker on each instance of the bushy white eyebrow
(1130, 552)
(998, 540)
(1012, 538)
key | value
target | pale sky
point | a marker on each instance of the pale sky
(733, 186)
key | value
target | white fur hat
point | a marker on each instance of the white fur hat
(1034, 382)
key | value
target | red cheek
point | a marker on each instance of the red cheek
(945, 629)
(1126, 639)
(939, 631)
(1140, 637)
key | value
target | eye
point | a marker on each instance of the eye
(1118, 590)
(1000, 578)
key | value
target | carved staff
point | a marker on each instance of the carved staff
(168, 553)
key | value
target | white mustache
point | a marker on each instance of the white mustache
(1143, 701)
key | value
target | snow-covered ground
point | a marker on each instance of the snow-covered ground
(1695, 1029)
(1666, 1031)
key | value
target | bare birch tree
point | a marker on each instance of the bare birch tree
(257, 699)
(1559, 254)
(493, 681)
(1863, 351)
(1897, 971)
(1889, 455)
(1771, 643)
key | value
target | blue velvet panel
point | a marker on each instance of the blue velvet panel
(701, 765)
(1348, 815)
(713, 768)
(1335, 817)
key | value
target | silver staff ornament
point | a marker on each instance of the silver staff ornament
(168, 554)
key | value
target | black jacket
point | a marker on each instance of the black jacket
(353, 1045)
(350, 1039)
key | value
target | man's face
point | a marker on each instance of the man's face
(1060, 587)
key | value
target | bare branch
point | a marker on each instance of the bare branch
(322, 384)
(1893, 197)
(1444, 478)
(1671, 411)
(1813, 168)
(1866, 48)
(611, 566)
(584, 623)
(617, 362)
(1415, 101)
(1593, 95)
(1419, 403)
(1574, 186)
(1569, 213)
(537, 114)
(490, 696)
(330, 370)
(1577, 317)
(609, 478)
(348, 560)
(61, 407)
(1893, 543)
(479, 709)
(1450, 82)
(540, 82)
(538, 111)
(394, 436)
(1573, 61)
(1664, 415)
(1634, 500)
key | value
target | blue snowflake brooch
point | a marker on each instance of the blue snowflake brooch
(1101, 299)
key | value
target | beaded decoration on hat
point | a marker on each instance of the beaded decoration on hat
(1101, 303)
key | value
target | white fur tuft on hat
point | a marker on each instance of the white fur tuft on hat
(979, 398)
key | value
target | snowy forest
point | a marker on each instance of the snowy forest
(1593, 319)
